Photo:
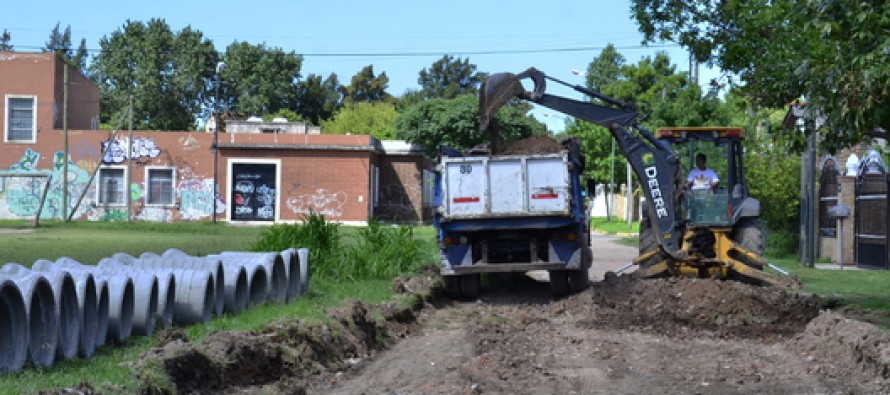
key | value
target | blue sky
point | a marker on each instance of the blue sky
(398, 37)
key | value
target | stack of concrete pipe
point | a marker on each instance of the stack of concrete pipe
(58, 310)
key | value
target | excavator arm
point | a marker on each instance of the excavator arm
(653, 160)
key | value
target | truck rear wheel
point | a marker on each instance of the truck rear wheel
(748, 234)
(559, 282)
(649, 242)
(452, 286)
(579, 280)
(469, 286)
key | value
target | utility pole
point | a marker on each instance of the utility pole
(610, 199)
(65, 132)
(129, 163)
(216, 120)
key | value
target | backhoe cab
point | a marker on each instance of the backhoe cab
(710, 232)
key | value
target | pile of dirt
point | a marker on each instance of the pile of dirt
(678, 306)
(533, 145)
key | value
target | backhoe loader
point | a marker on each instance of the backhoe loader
(713, 233)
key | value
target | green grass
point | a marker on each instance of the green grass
(617, 225)
(865, 288)
(88, 242)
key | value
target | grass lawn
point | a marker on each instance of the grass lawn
(617, 225)
(89, 242)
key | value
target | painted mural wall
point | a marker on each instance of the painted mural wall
(334, 183)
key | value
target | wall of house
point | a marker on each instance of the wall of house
(401, 189)
(28, 74)
(83, 98)
(324, 173)
(42, 74)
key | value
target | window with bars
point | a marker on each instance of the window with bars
(20, 119)
(111, 186)
(160, 186)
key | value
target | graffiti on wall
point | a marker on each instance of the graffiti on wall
(116, 150)
(321, 202)
(196, 199)
(20, 196)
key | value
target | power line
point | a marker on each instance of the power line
(408, 54)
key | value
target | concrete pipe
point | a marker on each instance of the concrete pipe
(121, 301)
(87, 304)
(68, 317)
(40, 307)
(82, 277)
(185, 261)
(237, 289)
(146, 289)
(303, 255)
(166, 301)
(13, 328)
(292, 269)
(195, 292)
(257, 277)
(275, 271)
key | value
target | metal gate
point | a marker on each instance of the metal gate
(828, 190)
(872, 222)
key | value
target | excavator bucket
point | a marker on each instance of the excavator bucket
(497, 90)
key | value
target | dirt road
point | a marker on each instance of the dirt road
(621, 336)
(628, 337)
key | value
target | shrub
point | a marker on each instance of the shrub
(319, 236)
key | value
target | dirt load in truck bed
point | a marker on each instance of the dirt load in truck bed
(533, 145)
(620, 336)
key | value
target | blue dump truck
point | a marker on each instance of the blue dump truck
(512, 213)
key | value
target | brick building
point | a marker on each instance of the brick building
(170, 176)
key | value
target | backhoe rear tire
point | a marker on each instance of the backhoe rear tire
(649, 242)
(748, 234)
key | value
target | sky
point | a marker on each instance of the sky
(399, 37)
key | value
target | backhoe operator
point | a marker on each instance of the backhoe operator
(701, 177)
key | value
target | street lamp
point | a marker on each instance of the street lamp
(219, 68)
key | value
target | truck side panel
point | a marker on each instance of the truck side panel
(508, 186)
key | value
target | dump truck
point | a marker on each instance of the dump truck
(501, 213)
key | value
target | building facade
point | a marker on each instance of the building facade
(256, 178)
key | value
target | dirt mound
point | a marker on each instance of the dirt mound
(533, 145)
(678, 306)
(847, 349)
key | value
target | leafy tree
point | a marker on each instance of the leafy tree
(316, 99)
(376, 119)
(4, 41)
(409, 99)
(828, 52)
(449, 77)
(259, 80)
(455, 123)
(168, 74)
(60, 43)
(290, 115)
(367, 87)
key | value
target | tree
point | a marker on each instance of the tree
(168, 75)
(60, 43)
(4, 41)
(828, 52)
(376, 119)
(260, 80)
(448, 78)
(366, 87)
(455, 123)
(317, 100)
